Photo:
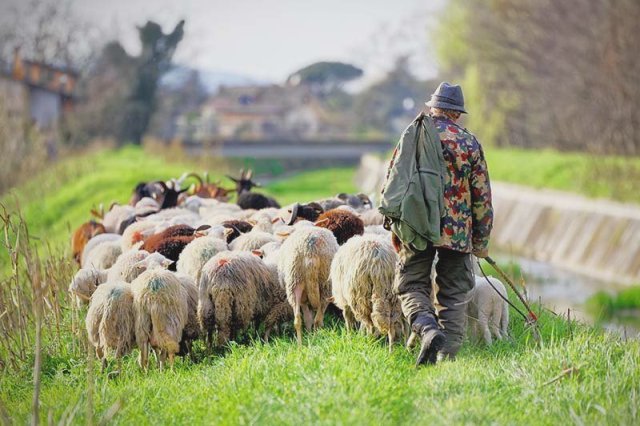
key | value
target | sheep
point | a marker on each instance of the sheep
(342, 224)
(137, 232)
(304, 264)
(81, 237)
(237, 227)
(269, 253)
(84, 284)
(103, 256)
(251, 241)
(235, 290)
(197, 253)
(97, 240)
(172, 241)
(191, 329)
(377, 230)
(134, 262)
(371, 217)
(116, 216)
(161, 306)
(256, 201)
(362, 274)
(308, 212)
(487, 312)
(110, 321)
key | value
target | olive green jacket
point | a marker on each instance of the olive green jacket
(413, 195)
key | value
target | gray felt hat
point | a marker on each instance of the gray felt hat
(447, 96)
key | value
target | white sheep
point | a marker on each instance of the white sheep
(161, 306)
(84, 284)
(251, 241)
(236, 290)
(487, 312)
(362, 274)
(304, 264)
(96, 241)
(110, 321)
(197, 253)
(103, 256)
(134, 262)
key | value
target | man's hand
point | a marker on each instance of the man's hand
(481, 254)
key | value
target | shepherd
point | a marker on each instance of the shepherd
(437, 199)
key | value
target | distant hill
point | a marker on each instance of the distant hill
(211, 80)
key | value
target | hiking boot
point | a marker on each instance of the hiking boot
(432, 339)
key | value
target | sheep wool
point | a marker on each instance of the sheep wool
(304, 263)
(161, 305)
(110, 320)
(487, 312)
(197, 253)
(191, 329)
(126, 267)
(237, 289)
(96, 241)
(251, 241)
(103, 256)
(84, 284)
(362, 274)
(342, 223)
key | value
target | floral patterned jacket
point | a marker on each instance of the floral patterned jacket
(468, 219)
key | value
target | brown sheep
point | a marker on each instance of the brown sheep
(343, 224)
(81, 237)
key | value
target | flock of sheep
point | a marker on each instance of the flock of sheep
(170, 268)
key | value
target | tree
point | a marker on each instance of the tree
(157, 50)
(392, 102)
(120, 90)
(548, 73)
(325, 77)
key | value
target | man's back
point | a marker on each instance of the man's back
(467, 221)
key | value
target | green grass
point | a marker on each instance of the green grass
(347, 378)
(603, 304)
(61, 197)
(335, 377)
(594, 176)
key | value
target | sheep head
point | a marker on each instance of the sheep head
(244, 183)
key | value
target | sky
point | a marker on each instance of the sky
(269, 39)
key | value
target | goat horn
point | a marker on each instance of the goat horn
(197, 176)
(249, 174)
(294, 214)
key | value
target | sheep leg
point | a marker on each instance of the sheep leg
(483, 323)
(494, 323)
(504, 321)
(411, 340)
(171, 359)
(281, 312)
(318, 323)
(143, 359)
(391, 339)
(308, 317)
(349, 318)
(297, 317)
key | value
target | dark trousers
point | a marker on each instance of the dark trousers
(454, 278)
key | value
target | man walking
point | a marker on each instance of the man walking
(465, 224)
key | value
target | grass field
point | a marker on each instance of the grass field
(577, 375)
(594, 176)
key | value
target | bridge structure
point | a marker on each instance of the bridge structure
(343, 151)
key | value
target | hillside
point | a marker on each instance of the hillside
(577, 374)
